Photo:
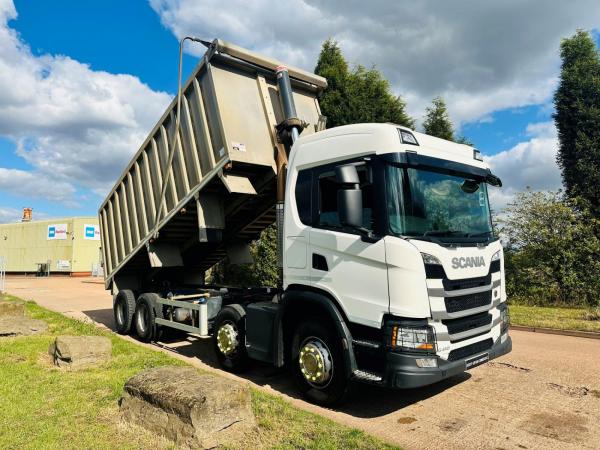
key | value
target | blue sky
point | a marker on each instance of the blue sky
(86, 80)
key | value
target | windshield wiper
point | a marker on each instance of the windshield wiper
(483, 233)
(442, 233)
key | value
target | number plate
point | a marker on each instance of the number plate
(477, 360)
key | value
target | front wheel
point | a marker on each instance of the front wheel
(317, 363)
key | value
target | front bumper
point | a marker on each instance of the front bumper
(402, 372)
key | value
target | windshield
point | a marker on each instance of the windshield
(425, 203)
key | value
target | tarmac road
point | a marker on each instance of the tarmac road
(543, 395)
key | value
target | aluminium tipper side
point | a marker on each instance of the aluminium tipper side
(221, 185)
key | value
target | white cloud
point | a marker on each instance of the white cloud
(27, 184)
(480, 57)
(75, 126)
(8, 215)
(528, 164)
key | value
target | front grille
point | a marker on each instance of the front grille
(465, 352)
(470, 301)
(467, 283)
(468, 323)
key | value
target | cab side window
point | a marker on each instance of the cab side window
(327, 186)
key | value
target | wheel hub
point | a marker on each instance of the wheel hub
(142, 320)
(315, 362)
(227, 339)
(120, 313)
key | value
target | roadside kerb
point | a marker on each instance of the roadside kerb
(575, 333)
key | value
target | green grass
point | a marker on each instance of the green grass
(43, 407)
(553, 317)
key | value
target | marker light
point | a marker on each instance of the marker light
(407, 137)
(477, 155)
(430, 259)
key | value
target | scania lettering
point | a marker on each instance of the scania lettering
(473, 261)
(389, 271)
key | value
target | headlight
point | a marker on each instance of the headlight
(504, 317)
(412, 339)
(430, 259)
(496, 256)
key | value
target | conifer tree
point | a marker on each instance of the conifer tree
(577, 118)
(437, 123)
(357, 95)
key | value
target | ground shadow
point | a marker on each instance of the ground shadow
(102, 316)
(367, 401)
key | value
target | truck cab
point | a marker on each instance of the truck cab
(393, 227)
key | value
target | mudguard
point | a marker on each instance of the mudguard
(312, 299)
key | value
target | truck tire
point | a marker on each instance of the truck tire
(317, 363)
(229, 339)
(123, 309)
(144, 316)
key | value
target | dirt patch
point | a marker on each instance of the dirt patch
(11, 326)
(509, 366)
(571, 391)
(564, 427)
(8, 308)
(406, 420)
(453, 425)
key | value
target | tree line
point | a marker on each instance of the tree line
(552, 239)
(552, 248)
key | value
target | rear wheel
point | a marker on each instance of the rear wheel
(318, 363)
(123, 309)
(144, 318)
(229, 338)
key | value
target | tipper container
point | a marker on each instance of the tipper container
(221, 186)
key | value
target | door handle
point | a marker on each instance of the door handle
(319, 262)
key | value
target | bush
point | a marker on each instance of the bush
(262, 272)
(552, 249)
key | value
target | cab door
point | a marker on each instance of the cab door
(351, 268)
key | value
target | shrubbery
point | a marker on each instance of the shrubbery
(552, 250)
(262, 272)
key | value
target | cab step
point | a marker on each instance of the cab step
(364, 375)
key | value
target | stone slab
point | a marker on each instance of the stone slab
(192, 409)
(77, 352)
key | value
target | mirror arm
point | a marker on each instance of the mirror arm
(367, 235)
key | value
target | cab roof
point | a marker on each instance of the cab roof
(356, 140)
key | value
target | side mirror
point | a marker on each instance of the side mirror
(349, 196)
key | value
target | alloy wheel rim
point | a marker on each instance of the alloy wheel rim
(227, 339)
(316, 363)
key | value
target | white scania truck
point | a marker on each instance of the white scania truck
(390, 272)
